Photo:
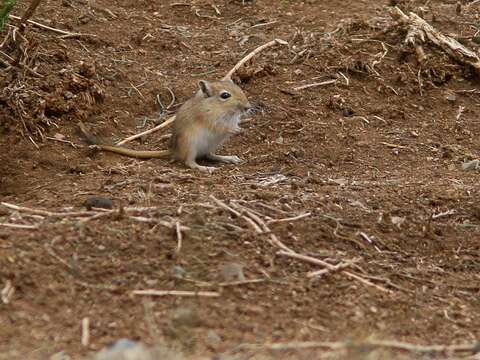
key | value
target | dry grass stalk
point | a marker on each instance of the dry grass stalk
(331, 267)
(19, 226)
(394, 345)
(28, 14)
(65, 34)
(251, 55)
(178, 231)
(241, 282)
(176, 293)
(85, 332)
(165, 124)
(308, 86)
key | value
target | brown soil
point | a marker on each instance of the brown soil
(376, 162)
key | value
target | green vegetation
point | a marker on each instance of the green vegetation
(7, 6)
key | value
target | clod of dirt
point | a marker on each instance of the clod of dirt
(471, 165)
(87, 69)
(213, 340)
(186, 317)
(232, 272)
(98, 202)
(178, 272)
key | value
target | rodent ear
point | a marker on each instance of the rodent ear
(206, 88)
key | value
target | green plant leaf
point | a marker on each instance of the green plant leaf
(7, 6)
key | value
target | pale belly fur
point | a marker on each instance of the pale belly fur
(207, 142)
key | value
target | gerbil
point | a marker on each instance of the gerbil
(201, 126)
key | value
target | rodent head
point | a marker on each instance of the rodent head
(224, 95)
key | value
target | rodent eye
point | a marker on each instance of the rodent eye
(225, 95)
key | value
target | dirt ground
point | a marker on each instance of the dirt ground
(369, 167)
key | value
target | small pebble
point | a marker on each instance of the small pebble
(60, 356)
(232, 272)
(67, 95)
(178, 272)
(185, 316)
(452, 97)
(213, 339)
(125, 349)
(98, 202)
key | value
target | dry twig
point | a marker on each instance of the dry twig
(175, 293)
(394, 345)
(65, 34)
(85, 331)
(332, 268)
(19, 226)
(308, 86)
(165, 124)
(252, 54)
(28, 14)
(241, 282)
(420, 31)
(178, 231)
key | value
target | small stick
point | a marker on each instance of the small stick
(396, 345)
(63, 141)
(225, 206)
(394, 146)
(28, 14)
(331, 267)
(156, 221)
(7, 292)
(301, 216)
(173, 98)
(420, 31)
(251, 55)
(327, 82)
(47, 213)
(19, 226)
(175, 293)
(241, 282)
(338, 267)
(58, 31)
(264, 228)
(23, 66)
(309, 259)
(152, 130)
(179, 237)
(85, 331)
(263, 24)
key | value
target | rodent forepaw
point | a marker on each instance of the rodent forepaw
(209, 169)
(233, 159)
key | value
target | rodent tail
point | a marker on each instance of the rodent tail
(140, 154)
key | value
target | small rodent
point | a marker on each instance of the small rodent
(201, 126)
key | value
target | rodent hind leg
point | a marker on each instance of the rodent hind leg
(231, 159)
(192, 164)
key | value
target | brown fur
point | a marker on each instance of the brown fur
(202, 123)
